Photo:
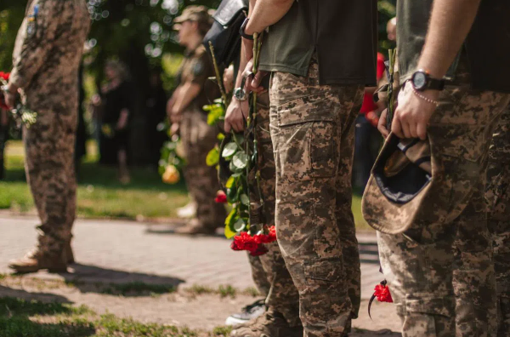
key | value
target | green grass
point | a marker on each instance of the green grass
(138, 288)
(21, 318)
(100, 194)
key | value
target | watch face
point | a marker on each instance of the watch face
(419, 80)
(239, 94)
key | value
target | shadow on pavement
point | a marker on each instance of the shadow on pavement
(26, 295)
(92, 279)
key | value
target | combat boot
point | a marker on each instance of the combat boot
(36, 260)
(194, 227)
(270, 324)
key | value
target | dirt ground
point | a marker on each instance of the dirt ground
(184, 307)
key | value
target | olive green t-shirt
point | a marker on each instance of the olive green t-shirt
(196, 68)
(342, 33)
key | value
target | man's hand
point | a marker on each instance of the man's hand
(236, 116)
(413, 113)
(123, 120)
(253, 82)
(381, 126)
(175, 129)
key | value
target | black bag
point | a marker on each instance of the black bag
(224, 33)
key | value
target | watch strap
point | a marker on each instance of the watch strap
(243, 27)
(435, 84)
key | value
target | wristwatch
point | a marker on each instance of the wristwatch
(422, 81)
(243, 27)
(240, 94)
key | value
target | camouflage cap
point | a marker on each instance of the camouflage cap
(194, 13)
(401, 179)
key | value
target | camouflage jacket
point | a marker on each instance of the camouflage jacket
(48, 50)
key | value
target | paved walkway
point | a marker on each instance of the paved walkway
(123, 251)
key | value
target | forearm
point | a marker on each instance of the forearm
(450, 23)
(187, 93)
(266, 13)
(243, 60)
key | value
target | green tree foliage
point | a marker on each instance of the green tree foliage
(137, 32)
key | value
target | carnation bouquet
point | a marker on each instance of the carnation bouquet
(20, 113)
(239, 156)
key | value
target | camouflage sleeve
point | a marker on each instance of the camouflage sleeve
(201, 69)
(34, 40)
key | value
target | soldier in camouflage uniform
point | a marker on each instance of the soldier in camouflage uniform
(498, 197)
(450, 240)
(186, 112)
(46, 60)
(282, 299)
(313, 106)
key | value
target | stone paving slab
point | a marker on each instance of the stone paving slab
(124, 251)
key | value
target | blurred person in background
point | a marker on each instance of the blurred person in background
(368, 139)
(116, 105)
(391, 30)
(188, 118)
(155, 108)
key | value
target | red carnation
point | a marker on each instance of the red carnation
(4, 76)
(244, 242)
(221, 197)
(261, 250)
(382, 292)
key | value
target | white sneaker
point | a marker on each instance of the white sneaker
(188, 211)
(248, 313)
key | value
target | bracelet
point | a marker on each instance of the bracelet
(426, 99)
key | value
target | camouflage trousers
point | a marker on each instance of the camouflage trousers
(49, 166)
(312, 128)
(198, 138)
(453, 242)
(498, 198)
(269, 271)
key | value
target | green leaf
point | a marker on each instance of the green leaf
(239, 138)
(229, 234)
(239, 225)
(221, 136)
(216, 113)
(230, 182)
(229, 150)
(240, 160)
(213, 157)
(232, 195)
(245, 200)
(234, 168)
(230, 216)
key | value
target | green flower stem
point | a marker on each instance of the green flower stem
(218, 76)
